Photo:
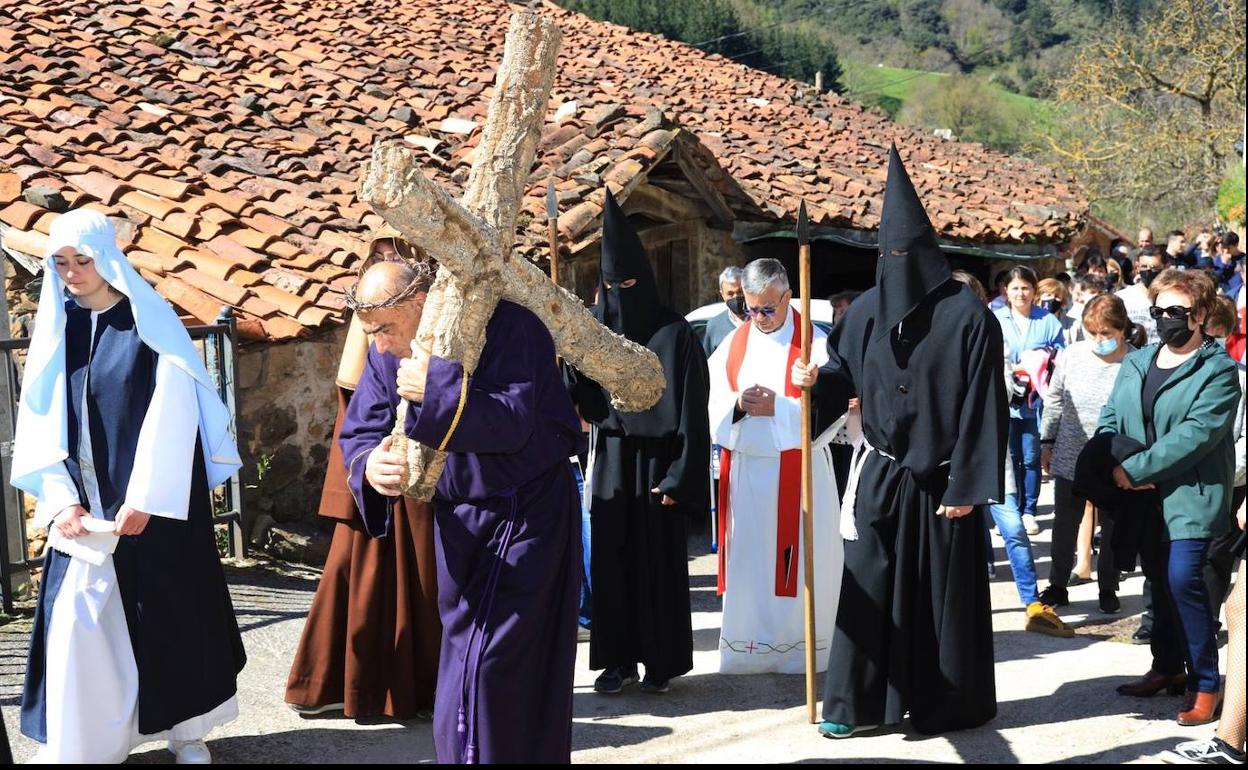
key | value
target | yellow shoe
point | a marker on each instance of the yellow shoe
(1043, 620)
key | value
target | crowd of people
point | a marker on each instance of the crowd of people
(936, 413)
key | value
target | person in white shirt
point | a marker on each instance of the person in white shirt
(1148, 265)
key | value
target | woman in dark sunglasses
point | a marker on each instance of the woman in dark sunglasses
(1178, 398)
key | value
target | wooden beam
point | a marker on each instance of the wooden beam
(661, 204)
(588, 248)
(679, 231)
(721, 212)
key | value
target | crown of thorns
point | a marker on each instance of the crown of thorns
(422, 268)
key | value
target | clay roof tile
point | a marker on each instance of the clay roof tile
(100, 186)
(20, 215)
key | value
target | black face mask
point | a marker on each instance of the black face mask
(1111, 281)
(1054, 306)
(736, 306)
(1146, 277)
(1174, 331)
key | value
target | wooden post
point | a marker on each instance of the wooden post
(819, 81)
(808, 524)
(14, 526)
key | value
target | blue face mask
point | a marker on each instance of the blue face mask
(1106, 347)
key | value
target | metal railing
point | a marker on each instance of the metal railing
(220, 344)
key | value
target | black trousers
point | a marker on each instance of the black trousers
(1224, 551)
(1067, 516)
(842, 457)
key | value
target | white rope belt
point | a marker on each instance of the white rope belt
(849, 527)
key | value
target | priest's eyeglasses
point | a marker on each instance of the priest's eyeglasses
(766, 311)
(1174, 311)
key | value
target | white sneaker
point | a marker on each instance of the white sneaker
(1207, 752)
(312, 711)
(1030, 525)
(190, 752)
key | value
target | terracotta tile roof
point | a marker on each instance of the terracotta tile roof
(230, 133)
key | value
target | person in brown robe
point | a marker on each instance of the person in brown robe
(370, 645)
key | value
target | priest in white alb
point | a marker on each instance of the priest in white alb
(756, 417)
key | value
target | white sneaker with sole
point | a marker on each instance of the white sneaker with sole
(312, 711)
(1207, 752)
(190, 752)
(1030, 525)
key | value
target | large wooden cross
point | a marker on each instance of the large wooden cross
(471, 239)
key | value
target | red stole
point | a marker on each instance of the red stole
(788, 520)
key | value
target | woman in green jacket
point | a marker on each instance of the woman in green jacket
(1178, 398)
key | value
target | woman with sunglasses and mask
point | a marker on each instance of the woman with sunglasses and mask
(1178, 398)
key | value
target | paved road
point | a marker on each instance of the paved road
(1057, 700)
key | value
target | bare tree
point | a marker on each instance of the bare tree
(1152, 110)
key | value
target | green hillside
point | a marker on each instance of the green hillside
(974, 108)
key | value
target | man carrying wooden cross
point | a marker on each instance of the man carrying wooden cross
(508, 532)
(495, 426)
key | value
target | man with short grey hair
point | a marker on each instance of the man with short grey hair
(763, 274)
(719, 327)
(756, 418)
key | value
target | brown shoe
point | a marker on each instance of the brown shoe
(1152, 683)
(1204, 709)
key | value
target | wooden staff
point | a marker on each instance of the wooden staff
(552, 229)
(552, 239)
(808, 524)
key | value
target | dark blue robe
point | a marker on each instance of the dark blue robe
(508, 539)
(182, 626)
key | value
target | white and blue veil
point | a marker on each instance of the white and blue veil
(41, 438)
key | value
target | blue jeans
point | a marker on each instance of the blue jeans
(586, 612)
(1025, 452)
(1183, 630)
(1017, 546)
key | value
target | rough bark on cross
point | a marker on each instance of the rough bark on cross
(471, 239)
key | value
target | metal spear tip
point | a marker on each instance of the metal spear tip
(803, 225)
(552, 204)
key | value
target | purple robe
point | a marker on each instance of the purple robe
(508, 539)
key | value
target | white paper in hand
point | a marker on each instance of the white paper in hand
(94, 547)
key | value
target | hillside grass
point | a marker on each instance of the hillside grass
(890, 87)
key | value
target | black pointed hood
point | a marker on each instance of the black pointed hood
(635, 312)
(911, 264)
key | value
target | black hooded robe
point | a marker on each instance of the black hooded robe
(914, 629)
(639, 556)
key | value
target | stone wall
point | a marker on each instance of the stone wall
(21, 297)
(286, 416)
(716, 250)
